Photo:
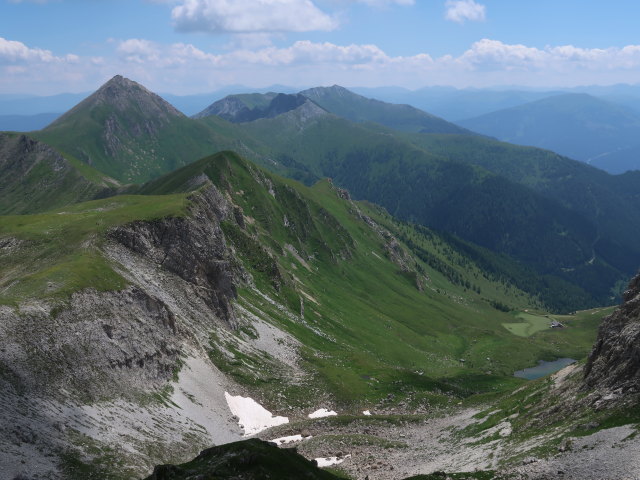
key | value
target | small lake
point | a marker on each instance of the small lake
(543, 368)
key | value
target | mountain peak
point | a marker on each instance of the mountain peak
(123, 96)
(132, 132)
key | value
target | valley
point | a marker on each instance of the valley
(309, 251)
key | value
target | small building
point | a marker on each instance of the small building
(556, 324)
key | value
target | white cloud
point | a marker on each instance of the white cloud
(250, 16)
(186, 68)
(12, 51)
(461, 10)
(306, 52)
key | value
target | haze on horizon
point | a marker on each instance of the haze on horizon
(195, 46)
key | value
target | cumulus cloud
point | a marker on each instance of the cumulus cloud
(184, 68)
(489, 54)
(461, 10)
(12, 52)
(250, 16)
(485, 62)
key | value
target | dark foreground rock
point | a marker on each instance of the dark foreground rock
(249, 459)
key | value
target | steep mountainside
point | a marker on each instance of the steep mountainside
(130, 133)
(379, 165)
(34, 177)
(127, 320)
(579, 126)
(354, 107)
(610, 203)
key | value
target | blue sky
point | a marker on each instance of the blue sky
(190, 46)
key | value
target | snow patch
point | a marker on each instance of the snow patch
(323, 412)
(252, 417)
(367, 413)
(284, 440)
(329, 461)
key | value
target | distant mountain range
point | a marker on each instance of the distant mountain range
(579, 126)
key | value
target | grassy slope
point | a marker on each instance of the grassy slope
(376, 327)
(381, 166)
(58, 251)
(177, 143)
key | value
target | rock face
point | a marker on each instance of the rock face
(614, 363)
(193, 248)
(102, 343)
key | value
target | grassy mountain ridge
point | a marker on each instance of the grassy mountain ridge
(411, 182)
(354, 107)
(360, 284)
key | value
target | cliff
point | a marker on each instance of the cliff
(614, 363)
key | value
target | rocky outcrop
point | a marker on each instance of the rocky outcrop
(101, 343)
(614, 363)
(249, 459)
(192, 247)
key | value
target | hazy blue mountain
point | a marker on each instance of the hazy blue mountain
(576, 125)
(32, 105)
(618, 161)
(26, 123)
(453, 104)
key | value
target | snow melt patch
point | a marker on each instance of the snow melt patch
(367, 413)
(329, 461)
(323, 412)
(252, 416)
(291, 439)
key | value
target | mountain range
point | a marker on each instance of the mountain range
(561, 219)
(151, 289)
(579, 126)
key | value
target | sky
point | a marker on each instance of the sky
(197, 46)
